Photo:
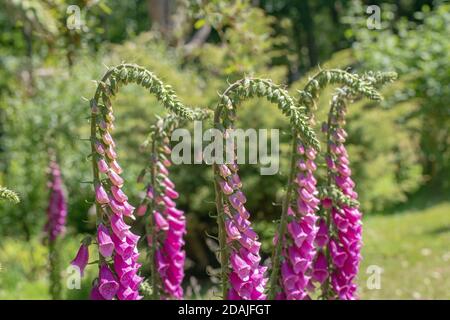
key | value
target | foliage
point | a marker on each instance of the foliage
(25, 265)
(419, 52)
(6, 194)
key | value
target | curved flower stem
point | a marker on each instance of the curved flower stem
(275, 274)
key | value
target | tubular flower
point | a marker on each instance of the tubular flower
(108, 285)
(105, 243)
(171, 255)
(57, 207)
(82, 258)
(345, 244)
(247, 276)
(169, 224)
(300, 250)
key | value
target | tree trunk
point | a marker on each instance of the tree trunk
(307, 22)
(159, 13)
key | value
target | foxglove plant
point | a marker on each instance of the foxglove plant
(56, 224)
(243, 276)
(57, 206)
(344, 221)
(165, 225)
(298, 243)
(247, 276)
(339, 231)
(118, 253)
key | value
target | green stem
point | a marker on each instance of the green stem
(55, 279)
(276, 256)
(96, 173)
(149, 227)
(327, 283)
(223, 249)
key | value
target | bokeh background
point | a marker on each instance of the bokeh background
(399, 148)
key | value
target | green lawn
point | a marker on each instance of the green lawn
(413, 250)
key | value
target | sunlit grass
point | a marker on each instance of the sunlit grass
(413, 250)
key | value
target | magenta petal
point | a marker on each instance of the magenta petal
(108, 284)
(106, 245)
(82, 258)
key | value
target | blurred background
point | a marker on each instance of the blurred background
(51, 50)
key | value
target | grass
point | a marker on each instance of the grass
(411, 248)
(24, 269)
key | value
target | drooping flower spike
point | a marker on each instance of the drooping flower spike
(165, 224)
(344, 221)
(247, 277)
(298, 242)
(340, 229)
(117, 244)
(244, 276)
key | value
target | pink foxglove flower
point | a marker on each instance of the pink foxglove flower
(57, 207)
(99, 147)
(224, 170)
(296, 270)
(161, 223)
(82, 258)
(115, 179)
(111, 153)
(322, 234)
(108, 284)
(118, 194)
(345, 246)
(226, 189)
(247, 276)
(105, 243)
(107, 139)
(102, 166)
(95, 294)
(118, 267)
(141, 210)
(100, 195)
(169, 227)
(116, 206)
(320, 269)
(116, 167)
(119, 226)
